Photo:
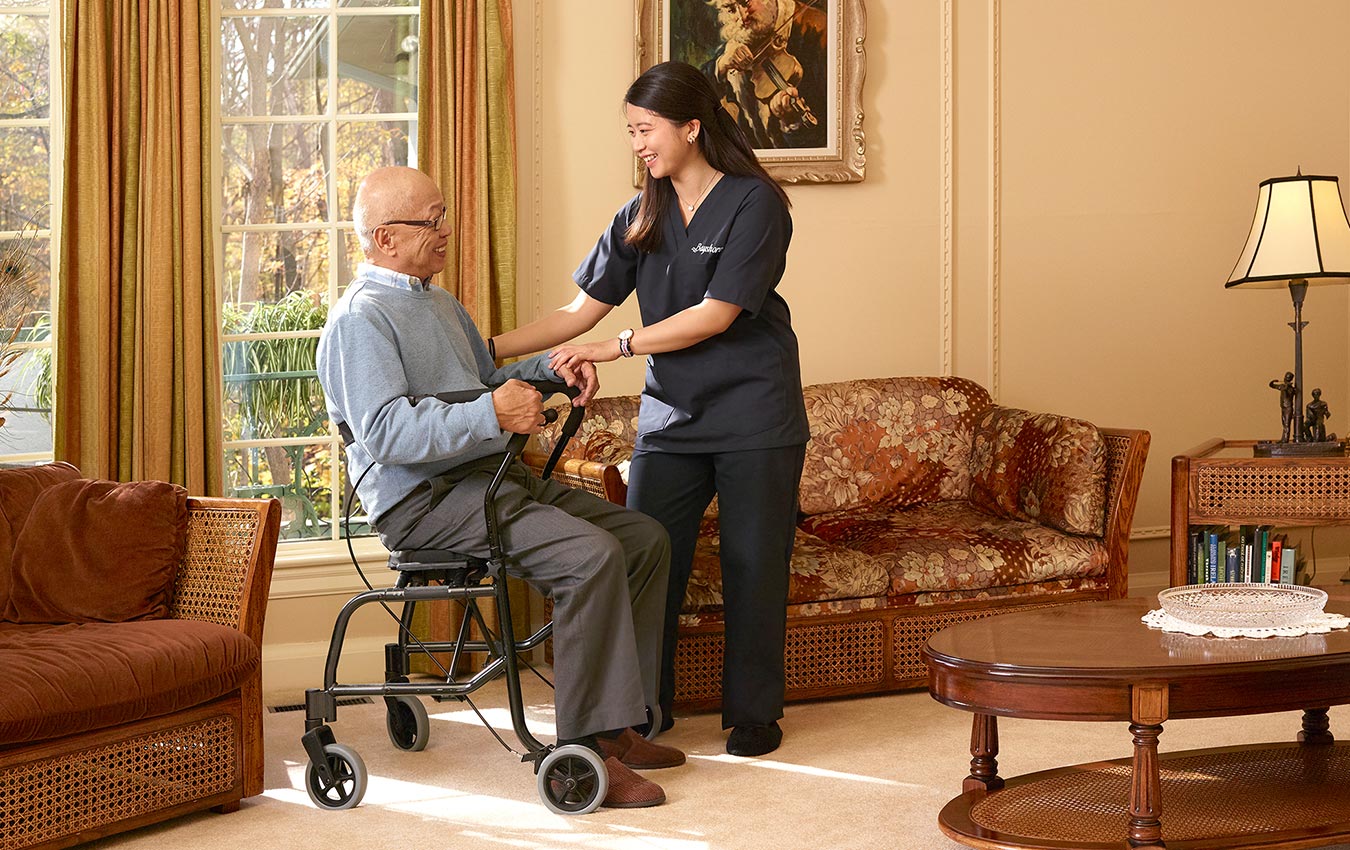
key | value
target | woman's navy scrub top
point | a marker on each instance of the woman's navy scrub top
(740, 389)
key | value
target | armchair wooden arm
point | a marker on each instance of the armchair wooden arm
(1126, 452)
(224, 578)
(602, 479)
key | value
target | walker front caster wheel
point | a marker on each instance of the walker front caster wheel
(572, 780)
(347, 784)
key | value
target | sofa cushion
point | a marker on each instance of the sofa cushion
(65, 679)
(98, 551)
(957, 546)
(819, 571)
(1042, 468)
(889, 441)
(19, 488)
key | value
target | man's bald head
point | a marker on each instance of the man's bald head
(388, 194)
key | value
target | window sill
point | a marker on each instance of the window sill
(324, 568)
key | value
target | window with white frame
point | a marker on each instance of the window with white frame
(30, 192)
(314, 95)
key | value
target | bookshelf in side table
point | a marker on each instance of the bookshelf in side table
(1220, 483)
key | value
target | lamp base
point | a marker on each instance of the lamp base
(1327, 448)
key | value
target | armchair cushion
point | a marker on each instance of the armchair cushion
(98, 551)
(1040, 467)
(61, 680)
(19, 489)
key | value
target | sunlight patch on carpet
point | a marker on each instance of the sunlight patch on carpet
(538, 719)
(821, 772)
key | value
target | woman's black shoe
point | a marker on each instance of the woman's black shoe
(754, 739)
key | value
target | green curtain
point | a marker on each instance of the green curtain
(137, 341)
(466, 141)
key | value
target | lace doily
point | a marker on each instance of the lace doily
(1317, 624)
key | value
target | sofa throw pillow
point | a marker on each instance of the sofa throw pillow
(98, 551)
(19, 488)
(1040, 467)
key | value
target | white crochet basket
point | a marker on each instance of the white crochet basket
(1243, 605)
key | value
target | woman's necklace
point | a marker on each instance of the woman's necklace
(706, 187)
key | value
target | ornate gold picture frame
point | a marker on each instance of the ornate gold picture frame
(790, 73)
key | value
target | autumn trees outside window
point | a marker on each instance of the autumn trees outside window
(314, 94)
(30, 187)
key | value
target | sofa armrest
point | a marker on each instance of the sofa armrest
(602, 479)
(227, 571)
(1126, 452)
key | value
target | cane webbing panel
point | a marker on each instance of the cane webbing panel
(1117, 448)
(1204, 795)
(593, 486)
(44, 800)
(210, 582)
(835, 655)
(911, 633)
(1309, 491)
(830, 655)
(698, 668)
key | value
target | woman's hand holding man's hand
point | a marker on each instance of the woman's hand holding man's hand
(572, 355)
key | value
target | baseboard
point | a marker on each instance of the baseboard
(290, 668)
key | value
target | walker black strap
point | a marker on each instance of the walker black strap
(569, 430)
(570, 426)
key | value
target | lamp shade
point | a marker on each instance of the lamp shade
(1299, 233)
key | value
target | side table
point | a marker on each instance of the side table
(1220, 483)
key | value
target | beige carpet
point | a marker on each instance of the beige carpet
(858, 773)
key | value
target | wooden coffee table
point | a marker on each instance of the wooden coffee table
(1097, 661)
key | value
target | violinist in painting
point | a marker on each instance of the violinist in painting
(771, 70)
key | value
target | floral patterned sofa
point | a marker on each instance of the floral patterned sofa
(923, 504)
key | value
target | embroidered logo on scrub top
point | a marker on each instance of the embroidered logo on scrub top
(700, 248)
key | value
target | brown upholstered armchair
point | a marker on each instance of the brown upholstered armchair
(187, 736)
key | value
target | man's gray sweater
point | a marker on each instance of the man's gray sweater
(391, 337)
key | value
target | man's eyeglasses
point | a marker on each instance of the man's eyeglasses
(433, 223)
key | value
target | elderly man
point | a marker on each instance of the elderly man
(394, 336)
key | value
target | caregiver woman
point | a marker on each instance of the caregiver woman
(704, 245)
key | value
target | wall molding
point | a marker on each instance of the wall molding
(948, 179)
(1151, 532)
(995, 196)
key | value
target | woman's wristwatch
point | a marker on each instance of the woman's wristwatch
(626, 342)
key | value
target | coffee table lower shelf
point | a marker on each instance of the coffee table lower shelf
(1254, 796)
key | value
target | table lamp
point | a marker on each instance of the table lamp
(1299, 236)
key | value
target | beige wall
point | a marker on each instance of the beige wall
(1127, 140)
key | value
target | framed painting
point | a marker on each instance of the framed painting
(790, 72)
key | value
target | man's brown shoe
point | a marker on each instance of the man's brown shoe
(627, 790)
(638, 753)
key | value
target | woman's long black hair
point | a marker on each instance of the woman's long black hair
(680, 93)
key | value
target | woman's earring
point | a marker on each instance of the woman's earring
(691, 138)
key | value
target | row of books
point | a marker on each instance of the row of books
(1251, 553)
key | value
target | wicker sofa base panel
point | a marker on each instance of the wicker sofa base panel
(75, 790)
(834, 655)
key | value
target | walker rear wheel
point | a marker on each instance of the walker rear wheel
(652, 727)
(405, 718)
(572, 780)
